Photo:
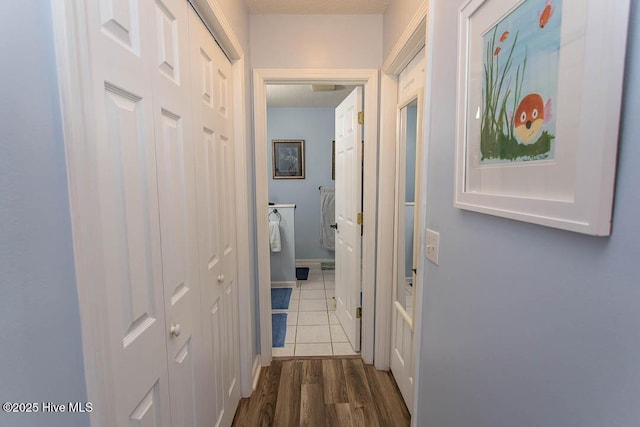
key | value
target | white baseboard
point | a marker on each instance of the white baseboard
(283, 284)
(312, 262)
(257, 368)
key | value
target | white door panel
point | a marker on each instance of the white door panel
(348, 205)
(402, 353)
(120, 40)
(177, 201)
(214, 166)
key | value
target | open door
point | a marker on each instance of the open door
(408, 207)
(348, 209)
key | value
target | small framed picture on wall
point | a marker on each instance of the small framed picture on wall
(288, 159)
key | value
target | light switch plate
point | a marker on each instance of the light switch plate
(433, 246)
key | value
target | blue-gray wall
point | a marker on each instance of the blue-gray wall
(40, 343)
(316, 127)
(525, 325)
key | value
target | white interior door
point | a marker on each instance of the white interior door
(402, 311)
(407, 226)
(171, 82)
(121, 40)
(213, 136)
(348, 206)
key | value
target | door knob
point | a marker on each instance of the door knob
(221, 278)
(334, 226)
(175, 330)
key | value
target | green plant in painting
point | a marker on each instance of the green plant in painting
(500, 98)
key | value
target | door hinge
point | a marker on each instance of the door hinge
(360, 117)
(359, 313)
(360, 218)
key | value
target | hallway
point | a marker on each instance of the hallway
(323, 392)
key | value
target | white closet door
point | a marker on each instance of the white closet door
(213, 136)
(121, 45)
(173, 122)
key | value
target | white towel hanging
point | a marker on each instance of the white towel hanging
(274, 236)
(327, 217)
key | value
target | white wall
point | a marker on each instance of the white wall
(525, 325)
(40, 341)
(396, 17)
(316, 41)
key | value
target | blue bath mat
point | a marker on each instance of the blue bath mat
(280, 298)
(278, 329)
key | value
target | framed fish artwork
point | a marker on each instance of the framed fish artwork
(538, 106)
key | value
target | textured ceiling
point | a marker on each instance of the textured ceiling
(303, 96)
(317, 7)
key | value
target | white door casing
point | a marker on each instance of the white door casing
(214, 165)
(171, 82)
(348, 206)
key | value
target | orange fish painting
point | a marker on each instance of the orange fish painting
(520, 67)
(546, 14)
(530, 116)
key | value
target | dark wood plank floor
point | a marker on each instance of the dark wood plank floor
(323, 392)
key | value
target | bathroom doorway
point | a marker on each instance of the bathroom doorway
(368, 81)
(300, 147)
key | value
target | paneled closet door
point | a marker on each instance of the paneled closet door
(213, 135)
(173, 122)
(121, 42)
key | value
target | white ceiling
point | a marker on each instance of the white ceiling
(317, 7)
(303, 96)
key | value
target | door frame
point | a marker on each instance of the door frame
(369, 79)
(412, 40)
(73, 73)
(417, 35)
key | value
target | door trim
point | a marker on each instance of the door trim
(73, 73)
(369, 79)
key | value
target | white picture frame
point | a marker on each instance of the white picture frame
(571, 185)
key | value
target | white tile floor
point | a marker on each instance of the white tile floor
(312, 326)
